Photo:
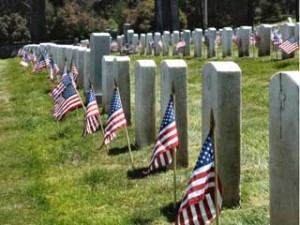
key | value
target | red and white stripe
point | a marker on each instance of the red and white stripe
(91, 118)
(115, 122)
(166, 142)
(69, 104)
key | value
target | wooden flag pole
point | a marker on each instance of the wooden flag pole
(126, 131)
(175, 157)
(212, 127)
(174, 180)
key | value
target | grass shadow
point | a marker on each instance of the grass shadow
(170, 212)
(122, 150)
(141, 173)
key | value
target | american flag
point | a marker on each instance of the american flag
(54, 69)
(180, 45)
(276, 39)
(289, 46)
(58, 90)
(198, 203)
(68, 100)
(236, 40)
(116, 118)
(166, 141)
(41, 63)
(47, 59)
(92, 114)
(160, 43)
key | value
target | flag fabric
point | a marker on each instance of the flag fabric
(276, 39)
(68, 100)
(198, 203)
(40, 64)
(116, 118)
(179, 45)
(217, 40)
(58, 90)
(54, 69)
(160, 43)
(47, 59)
(236, 40)
(92, 114)
(166, 141)
(289, 46)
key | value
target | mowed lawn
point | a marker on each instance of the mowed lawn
(51, 175)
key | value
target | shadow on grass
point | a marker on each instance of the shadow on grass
(122, 150)
(170, 212)
(141, 173)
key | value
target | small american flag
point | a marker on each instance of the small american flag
(236, 40)
(166, 141)
(198, 203)
(289, 46)
(276, 39)
(57, 91)
(41, 63)
(116, 118)
(68, 100)
(180, 45)
(92, 114)
(54, 70)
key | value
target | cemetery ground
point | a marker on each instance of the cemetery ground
(50, 174)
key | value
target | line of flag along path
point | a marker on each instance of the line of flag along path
(202, 201)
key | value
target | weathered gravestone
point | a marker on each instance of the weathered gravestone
(297, 30)
(211, 37)
(86, 70)
(198, 42)
(79, 54)
(121, 75)
(221, 94)
(142, 44)
(284, 148)
(175, 38)
(244, 40)
(126, 27)
(226, 39)
(264, 39)
(100, 46)
(287, 30)
(130, 34)
(145, 108)
(166, 42)
(173, 76)
(149, 43)
(187, 40)
(108, 82)
(157, 48)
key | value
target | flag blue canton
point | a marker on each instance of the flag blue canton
(69, 91)
(66, 80)
(207, 153)
(169, 116)
(90, 97)
(115, 103)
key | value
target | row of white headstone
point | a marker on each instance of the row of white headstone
(196, 37)
(224, 100)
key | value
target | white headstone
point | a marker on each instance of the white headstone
(284, 148)
(173, 73)
(145, 106)
(221, 95)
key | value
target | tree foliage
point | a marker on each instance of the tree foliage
(66, 19)
(13, 29)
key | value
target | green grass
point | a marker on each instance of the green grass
(50, 174)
